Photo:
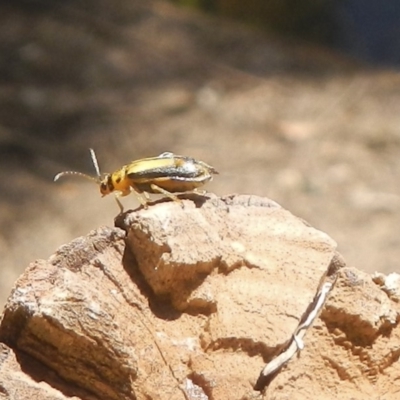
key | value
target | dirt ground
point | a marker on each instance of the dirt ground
(318, 133)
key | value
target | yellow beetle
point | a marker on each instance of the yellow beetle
(165, 174)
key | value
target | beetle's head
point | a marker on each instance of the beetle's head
(106, 185)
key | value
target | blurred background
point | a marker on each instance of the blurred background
(296, 101)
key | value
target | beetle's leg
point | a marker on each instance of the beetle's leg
(142, 201)
(157, 189)
(139, 196)
(116, 196)
(199, 191)
(147, 196)
(121, 207)
(121, 194)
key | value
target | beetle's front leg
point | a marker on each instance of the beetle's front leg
(120, 205)
(124, 193)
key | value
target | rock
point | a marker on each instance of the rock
(190, 301)
(18, 379)
(353, 350)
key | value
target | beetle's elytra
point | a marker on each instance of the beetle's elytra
(166, 174)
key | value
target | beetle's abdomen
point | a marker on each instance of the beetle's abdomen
(169, 172)
(172, 184)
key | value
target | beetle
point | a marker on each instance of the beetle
(165, 174)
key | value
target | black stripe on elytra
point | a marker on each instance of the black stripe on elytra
(165, 172)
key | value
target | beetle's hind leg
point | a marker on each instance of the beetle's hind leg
(157, 189)
(201, 192)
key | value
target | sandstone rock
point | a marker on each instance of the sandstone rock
(353, 350)
(18, 379)
(190, 301)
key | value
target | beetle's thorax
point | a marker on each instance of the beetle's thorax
(119, 181)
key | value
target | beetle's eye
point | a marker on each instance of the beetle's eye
(103, 188)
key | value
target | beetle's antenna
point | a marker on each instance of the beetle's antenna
(92, 178)
(95, 163)
(59, 175)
